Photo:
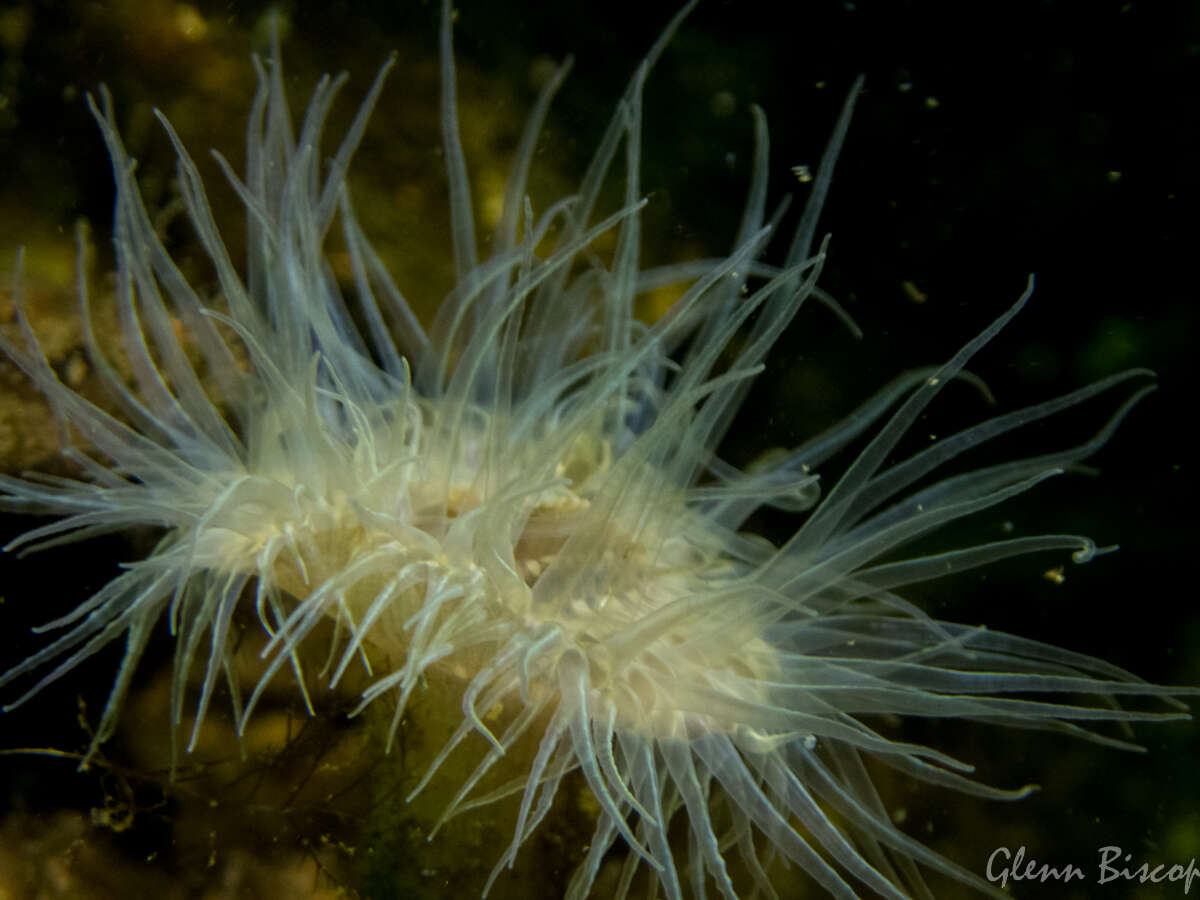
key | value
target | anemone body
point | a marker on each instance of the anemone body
(525, 500)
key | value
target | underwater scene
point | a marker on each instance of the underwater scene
(674, 450)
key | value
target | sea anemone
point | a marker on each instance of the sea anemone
(525, 502)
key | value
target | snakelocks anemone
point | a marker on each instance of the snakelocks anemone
(524, 503)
